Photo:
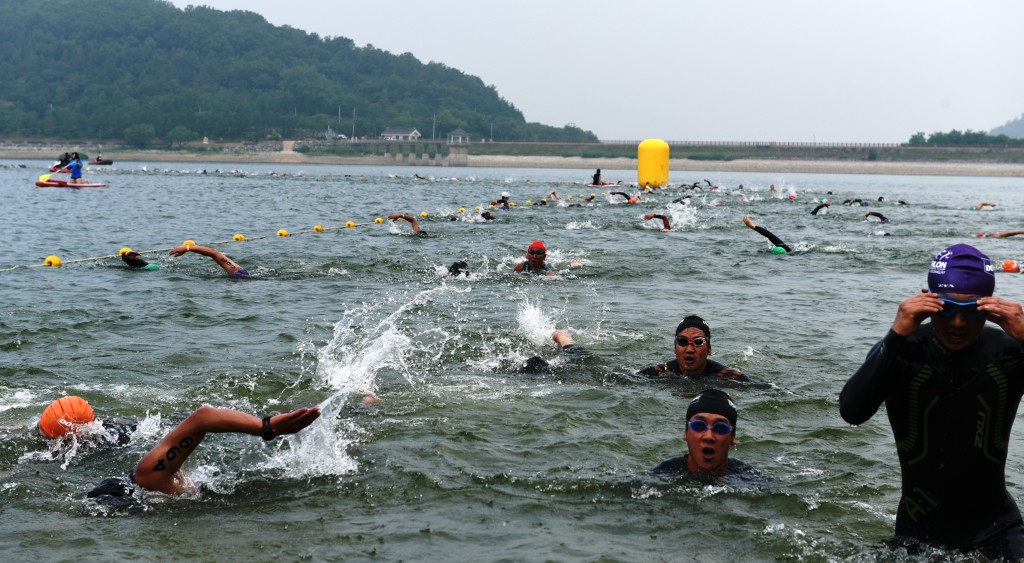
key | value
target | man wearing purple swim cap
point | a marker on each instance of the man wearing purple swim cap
(951, 389)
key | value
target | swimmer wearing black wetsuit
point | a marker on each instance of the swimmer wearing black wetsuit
(820, 206)
(885, 220)
(951, 416)
(767, 234)
(951, 389)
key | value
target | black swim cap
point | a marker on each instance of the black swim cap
(696, 322)
(113, 486)
(535, 364)
(457, 268)
(715, 402)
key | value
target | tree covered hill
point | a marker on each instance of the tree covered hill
(1013, 128)
(92, 69)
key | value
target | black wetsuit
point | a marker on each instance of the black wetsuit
(951, 415)
(711, 369)
(818, 208)
(677, 466)
(772, 238)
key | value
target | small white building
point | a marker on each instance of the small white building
(400, 134)
(458, 137)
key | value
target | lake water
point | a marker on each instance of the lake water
(464, 459)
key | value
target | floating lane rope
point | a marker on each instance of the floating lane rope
(54, 261)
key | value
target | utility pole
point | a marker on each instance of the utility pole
(353, 137)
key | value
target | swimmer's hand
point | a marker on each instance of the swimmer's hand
(179, 250)
(575, 264)
(292, 422)
(1007, 314)
(912, 312)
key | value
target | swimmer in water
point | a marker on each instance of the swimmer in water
(534, 262)
(779, 248)
(821, 206)
(536, 364)
(710, 433)
(1001, 234)
(664, 220)
(503, 201)
(983, 205)
(885, 220)
(233, 269)
(412, 222)
(487, 215)
(72, 415)
(160, 469)
(692, 345)
(135, 261)
(460, 268)
(629, 199)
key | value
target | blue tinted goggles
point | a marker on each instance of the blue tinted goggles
(951, 308)
(699, 426)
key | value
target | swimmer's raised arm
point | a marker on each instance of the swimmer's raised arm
(664, 220)
(219, 257)
(159, 470)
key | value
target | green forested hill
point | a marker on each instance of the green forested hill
(92, 69)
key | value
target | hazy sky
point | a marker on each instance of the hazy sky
(740, 70)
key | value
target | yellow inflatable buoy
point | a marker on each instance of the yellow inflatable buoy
(528, 202)
(239, 237)
(423, 213)
(282, 233)
(477, 208)
(189, 242)
(318, 228)
(52, 261)
(124, 251)
(378, 220)
(511, 204)
(462, 210)
(350, 224)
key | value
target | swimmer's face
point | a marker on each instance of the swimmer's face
(709, 452)
(692, 358)
(958, 332)
(536, 257)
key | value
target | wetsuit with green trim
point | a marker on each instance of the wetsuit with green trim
(951, 415)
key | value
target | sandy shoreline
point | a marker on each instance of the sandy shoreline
(678, 165)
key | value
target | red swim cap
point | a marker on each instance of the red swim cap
(63, 415)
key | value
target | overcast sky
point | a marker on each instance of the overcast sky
(739, 70)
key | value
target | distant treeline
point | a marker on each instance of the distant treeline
(141, 70)
(966, 138)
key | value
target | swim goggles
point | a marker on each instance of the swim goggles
(536, 251)
(952, 308)
(699, 426)
(697, 341)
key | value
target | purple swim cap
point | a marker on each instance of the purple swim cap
(962, 269)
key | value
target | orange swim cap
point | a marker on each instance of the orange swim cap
(63, 415)
(1011, 266)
